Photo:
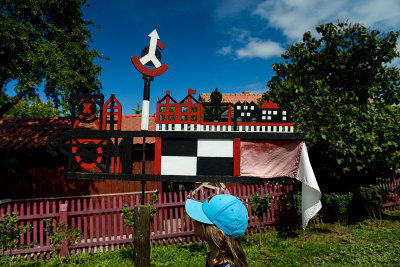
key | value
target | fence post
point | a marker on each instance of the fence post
(63, 217)
(141, 238)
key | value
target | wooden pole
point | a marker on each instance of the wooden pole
(141, 238)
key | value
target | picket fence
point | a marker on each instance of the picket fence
(99, 217)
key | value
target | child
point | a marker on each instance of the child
(220, 221)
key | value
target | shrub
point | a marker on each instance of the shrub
(296, 203)
(339, 204)
(61, 234)
(372, 202)
(10, 234)
(127, 213)
(260, 204)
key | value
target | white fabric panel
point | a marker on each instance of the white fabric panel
(311, 194)
(215, 148)
(178, 165)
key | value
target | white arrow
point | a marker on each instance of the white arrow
(151, 55)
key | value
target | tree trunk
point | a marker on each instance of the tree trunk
(1, 84)
(11, 102)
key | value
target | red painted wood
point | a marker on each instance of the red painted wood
(160, 214)
(21, 223)
(78, 218)
(41, 231)
(176, 217)
(157, 156)
(175, 117)
(34, 224)
(109, 218)
(149, 72)
(48, 211)
(91, 222)
(103, 219)
(121, 223)
(63, 217)
(115, 222)
(28, 213)
(236, 157)
(165, 223)
(97, 219)
(181, 214)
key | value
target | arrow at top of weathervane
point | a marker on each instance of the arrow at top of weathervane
(151, 55)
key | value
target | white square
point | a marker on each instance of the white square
(242, 114)
(275, 112)
(269, 112)
(283, 112)
(248, 114)
(178, 165)
(263, 117)
(264, 112)
(252, 107)
(269, 118)
(283, 118)
(238, 107)
(245, 107)
(215, 148)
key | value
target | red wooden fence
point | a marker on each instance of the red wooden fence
(99, 217)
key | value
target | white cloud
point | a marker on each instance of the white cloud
(396, 61)
(229, 8)
(225, 50)
(257, 48)
(294, 17)
(255, 88)
(240, 35)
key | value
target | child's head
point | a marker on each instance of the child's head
(226, 212)
(220, 221)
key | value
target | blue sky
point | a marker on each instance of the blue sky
(228, 44)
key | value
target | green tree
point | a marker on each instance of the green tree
(342, 87)
(259, 205)
(137, 110)
(33, 109)
(46, 42)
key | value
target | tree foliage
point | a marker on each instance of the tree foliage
(46, 43)
(342, 88)
(33, 109)
(10, 234)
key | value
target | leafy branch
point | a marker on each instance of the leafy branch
(260, 204)
(61, 235)
(10, 234)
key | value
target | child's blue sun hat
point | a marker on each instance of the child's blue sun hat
(226, 212)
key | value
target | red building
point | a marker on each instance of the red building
(37, 174)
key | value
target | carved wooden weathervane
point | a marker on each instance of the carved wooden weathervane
(150, 56)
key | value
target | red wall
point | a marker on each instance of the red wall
(40, 175)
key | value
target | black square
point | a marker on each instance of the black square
(215, 166)
(179, 147)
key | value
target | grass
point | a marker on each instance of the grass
(361, 244)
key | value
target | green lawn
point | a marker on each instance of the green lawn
(361, 244)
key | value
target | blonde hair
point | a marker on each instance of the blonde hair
(228, 249)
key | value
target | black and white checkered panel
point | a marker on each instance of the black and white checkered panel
(197, 157)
